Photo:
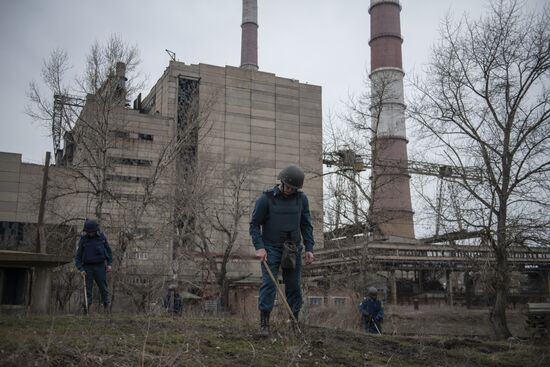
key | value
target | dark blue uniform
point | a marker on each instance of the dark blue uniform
(372, 314)
(173, 302)
(92, 256)
(275, 219)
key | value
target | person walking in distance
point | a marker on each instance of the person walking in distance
(280, 220)
(93, 259)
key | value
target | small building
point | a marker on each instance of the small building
(26, 280)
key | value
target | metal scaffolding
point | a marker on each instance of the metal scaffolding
(60, 103)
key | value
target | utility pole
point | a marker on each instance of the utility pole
(40, 235)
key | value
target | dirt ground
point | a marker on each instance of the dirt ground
(140, 340)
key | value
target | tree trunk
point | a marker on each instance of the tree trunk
(497, 315)
(501, 282)
(224, 293)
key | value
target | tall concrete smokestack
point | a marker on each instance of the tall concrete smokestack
(392, 208)
(249, 41)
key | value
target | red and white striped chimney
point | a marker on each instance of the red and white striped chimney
(392, 208)
(249, 40)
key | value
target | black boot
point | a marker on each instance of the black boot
(264, 323)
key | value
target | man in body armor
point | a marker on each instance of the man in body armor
(280, 220)
(372, 312)
(93, 259)
(172, 301)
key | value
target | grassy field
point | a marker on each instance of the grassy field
(428, 320)
(129, 340)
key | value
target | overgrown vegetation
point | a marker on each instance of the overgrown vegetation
(484, 103)
(125, 340)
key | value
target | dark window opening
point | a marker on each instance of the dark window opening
(187, 134)
(121, 134)
(131, 161)
(14, 286)
(339, 301)
(146, 137)
(16, 235)
(315, 301)
(120, 178)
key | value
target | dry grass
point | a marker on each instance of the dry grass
(153, 340)
(429, 320)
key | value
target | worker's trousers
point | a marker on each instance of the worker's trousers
(98, 273)
(291, 279)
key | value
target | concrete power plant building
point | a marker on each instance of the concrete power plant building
(251, 116)
(254, 116)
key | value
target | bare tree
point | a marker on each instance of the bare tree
(91, 114)
(485, 100)
(347, 190)
(87, 111)
(211, 223)
(361, 173)
(357, 150)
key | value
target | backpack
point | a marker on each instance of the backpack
(93, 249)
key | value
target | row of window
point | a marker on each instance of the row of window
(132, 161)
(446, 254)
(140, 255)
(126, 135)
(129, 197)
(318, 301)
(22, 236)
(515, 255)
(139, 280)
(121, 178)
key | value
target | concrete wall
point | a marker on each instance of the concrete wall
(136, 144)
(71, 198)
(20, 185)
(253, 116)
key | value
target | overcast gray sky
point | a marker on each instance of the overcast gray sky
(323, 42)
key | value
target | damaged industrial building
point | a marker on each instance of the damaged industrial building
(173, 174)
(199, 123)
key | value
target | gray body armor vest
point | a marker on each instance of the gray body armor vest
(283, 219)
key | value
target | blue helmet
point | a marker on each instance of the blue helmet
(91, 225)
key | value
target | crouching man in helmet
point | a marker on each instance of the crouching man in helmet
(372, 312)
(280, 221)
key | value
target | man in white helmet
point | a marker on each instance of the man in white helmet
(280, 221)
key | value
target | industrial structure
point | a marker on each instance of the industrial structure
(415, 264)
(385, 243)
(197, 125)
(130, 167)
(392, 207)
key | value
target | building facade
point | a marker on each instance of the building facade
(129, 175)
(253, 118)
